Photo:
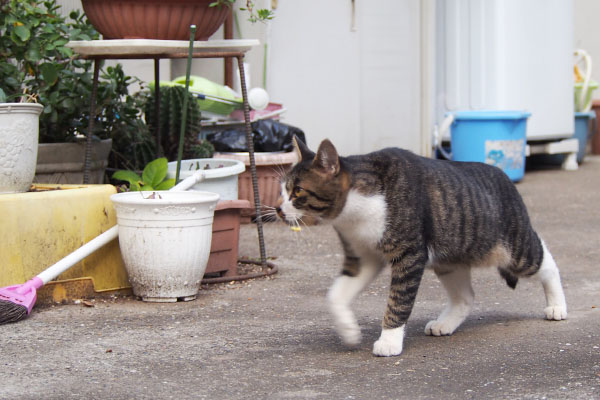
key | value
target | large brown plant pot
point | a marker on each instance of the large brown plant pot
(64, 162)
(270, 168)
(223, 257)
(154, 19)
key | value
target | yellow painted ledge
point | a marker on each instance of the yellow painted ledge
(40, 228)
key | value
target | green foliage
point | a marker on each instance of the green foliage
(153, 177)
(33, 36)
(262, 14)
(133, 145)
(37, 66)
(171, 112)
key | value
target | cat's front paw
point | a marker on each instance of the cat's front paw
(437, 328)
(384, 348)
(556, 313)
(349, 333)
(389, 343)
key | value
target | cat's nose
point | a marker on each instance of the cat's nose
(278, 204)
(280, 213)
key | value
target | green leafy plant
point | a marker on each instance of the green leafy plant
(255, 15)
(38, 66)
(33, 36)
(153, 177)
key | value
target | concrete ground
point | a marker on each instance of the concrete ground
(272, 338)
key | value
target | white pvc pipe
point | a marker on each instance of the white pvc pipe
(190, 181)
(79, 254)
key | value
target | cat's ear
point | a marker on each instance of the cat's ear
(327, 159)
(302, 151)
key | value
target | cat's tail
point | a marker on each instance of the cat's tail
(509, 277)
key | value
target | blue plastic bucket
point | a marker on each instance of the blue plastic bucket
(493, 137)
(583, 131)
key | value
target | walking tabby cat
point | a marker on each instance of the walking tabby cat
(392, 207)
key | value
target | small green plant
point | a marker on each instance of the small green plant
(202, 149)
(153, 177)
(255, 15)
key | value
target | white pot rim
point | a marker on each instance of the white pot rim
(262, 158)
(164, 197)
(33, 108)
(230, 167)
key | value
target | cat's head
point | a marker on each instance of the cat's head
(316, 186)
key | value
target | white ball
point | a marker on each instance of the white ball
(258, 98)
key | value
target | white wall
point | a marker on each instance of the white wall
(360, 88)
(389, 91)
(587, 34)
(314, 70)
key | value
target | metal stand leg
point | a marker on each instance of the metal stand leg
(250, 141)
(88, 144)
(157, 105)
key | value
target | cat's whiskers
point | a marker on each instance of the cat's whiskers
(269, 212)
(280, 171)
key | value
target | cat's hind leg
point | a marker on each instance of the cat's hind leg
(345, 289)
(556, 306)
(458, 286)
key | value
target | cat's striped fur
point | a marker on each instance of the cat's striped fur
(394, 207)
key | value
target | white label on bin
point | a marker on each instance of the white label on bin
(505, 154)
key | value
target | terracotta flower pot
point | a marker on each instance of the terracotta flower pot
(225, 237)
(154, 19)
(269, 169)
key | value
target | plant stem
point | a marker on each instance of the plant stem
(185, 101)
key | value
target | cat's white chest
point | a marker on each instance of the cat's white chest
(362, 221)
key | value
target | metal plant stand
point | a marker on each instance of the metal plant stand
(99, 50)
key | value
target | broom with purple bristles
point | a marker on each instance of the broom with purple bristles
(17, 301)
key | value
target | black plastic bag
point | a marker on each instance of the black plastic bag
(268, 135)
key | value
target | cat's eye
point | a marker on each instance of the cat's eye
(298, 191)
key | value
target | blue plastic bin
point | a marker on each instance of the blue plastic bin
(493, 137)
(583, 131)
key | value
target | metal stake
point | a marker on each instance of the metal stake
(87, 161)
(157, 105)
(250, 142)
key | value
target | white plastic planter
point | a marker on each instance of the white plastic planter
(165, 241)
(19, 132)
(220, 177)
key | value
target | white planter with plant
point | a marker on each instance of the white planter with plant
(165, 239)
(220, 175)
(19, 132)
(164, 236)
